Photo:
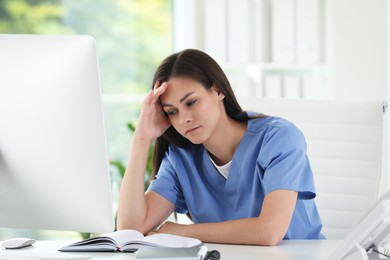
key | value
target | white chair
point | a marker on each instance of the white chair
(344, 141)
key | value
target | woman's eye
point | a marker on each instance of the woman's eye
(191, 102)
(171, 112)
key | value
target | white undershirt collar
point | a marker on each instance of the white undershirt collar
(224, 169)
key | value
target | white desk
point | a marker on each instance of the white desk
(292, 249)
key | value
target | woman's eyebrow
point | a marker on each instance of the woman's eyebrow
(185, 96)
(180, 100)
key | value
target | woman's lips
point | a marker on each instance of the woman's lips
(189, 131)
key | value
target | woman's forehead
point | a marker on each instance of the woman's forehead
(178, 87)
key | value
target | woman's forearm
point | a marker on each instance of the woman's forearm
(133, 210)
(132, 206)
(268, 229)
(250, 231)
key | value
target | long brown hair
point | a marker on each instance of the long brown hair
(200, 67)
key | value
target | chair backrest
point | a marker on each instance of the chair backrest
(344, 141)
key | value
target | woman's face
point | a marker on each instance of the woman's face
(193, 111)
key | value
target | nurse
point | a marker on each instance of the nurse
(243, 177)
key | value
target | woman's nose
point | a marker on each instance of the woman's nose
(185, 117)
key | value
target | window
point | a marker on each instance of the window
(269, 48)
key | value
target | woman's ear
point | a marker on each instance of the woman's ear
(219, 92)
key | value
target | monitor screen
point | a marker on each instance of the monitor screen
(54, 168)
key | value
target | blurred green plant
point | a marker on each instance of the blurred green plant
(32, 16)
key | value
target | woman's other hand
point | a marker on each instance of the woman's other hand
(171, 228)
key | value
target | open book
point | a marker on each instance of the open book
(130, 241)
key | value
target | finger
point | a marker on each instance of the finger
(154, 95)
(160, 89)
(158, 92)
(148, 98)
(157, 84)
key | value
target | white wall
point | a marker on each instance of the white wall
(359, 32)
(358, 53)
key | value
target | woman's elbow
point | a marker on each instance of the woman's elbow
(271, 240)
(140, 227)
(270, 237)
(121, 226)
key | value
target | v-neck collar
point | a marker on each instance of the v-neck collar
(215, 177)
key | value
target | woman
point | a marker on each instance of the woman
(243, 177)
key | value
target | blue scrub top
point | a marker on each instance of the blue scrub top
(271, 156)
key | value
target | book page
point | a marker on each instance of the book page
(123, 236)
(105, 242)
(165, 240)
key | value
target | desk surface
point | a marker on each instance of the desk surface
(289, 249)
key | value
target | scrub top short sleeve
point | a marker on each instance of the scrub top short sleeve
(285, 163)
(167, 184)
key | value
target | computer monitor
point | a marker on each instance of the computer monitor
(54, 167)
